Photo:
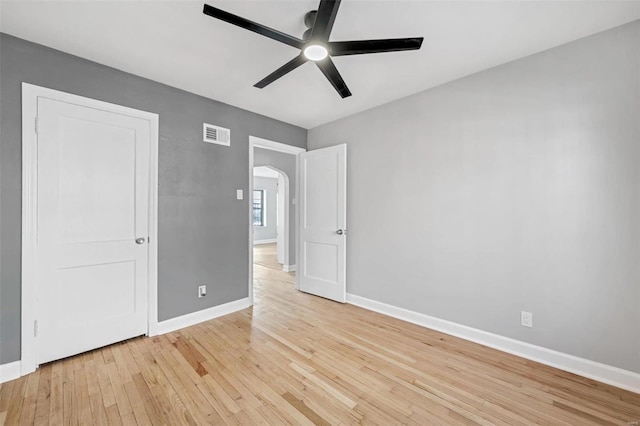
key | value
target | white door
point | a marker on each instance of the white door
(280, 215)
(92, 205)
(323, 217)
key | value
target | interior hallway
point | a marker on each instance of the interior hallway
(266, 255)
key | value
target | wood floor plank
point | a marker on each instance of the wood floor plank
(173, 410)
(113, 416)
(297, 359)
(6, 396)
(98, 413)
(178, 374)
(27, 417)
(44, 394)
(81, 390)
(15, 410)
(140, 391)
(299, 405)
(122, 399)
(56, 410)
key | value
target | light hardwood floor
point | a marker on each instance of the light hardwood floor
(266, 255)
(299, 359)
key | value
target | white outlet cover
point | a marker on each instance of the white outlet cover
(526, 319)
(239, 194)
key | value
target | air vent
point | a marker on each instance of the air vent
(216, 134)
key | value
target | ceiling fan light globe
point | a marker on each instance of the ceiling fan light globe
(315, 52)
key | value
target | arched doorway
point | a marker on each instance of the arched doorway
(271, 211)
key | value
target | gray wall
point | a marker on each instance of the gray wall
(270, 188)
(286, 163)
(517, 188)
(203, 229)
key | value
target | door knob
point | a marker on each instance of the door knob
(139, 240)
(341, 231)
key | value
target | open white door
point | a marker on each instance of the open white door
(323, 217)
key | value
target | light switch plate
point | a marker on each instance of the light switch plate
(239, 194)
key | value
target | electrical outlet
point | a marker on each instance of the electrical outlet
(526, 319)
(202, 291)
(239, 194)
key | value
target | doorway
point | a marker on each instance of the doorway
(273, 213)
(89, 224)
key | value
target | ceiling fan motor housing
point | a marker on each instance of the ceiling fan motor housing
(310, 19)
(307, 34)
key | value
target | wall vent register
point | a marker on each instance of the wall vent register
(216, 134)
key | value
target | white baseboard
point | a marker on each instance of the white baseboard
(203, 315)
(614, 376)
(269, 241)
(289, 268)
(9, 371)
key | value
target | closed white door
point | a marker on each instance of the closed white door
(323, 217)
(92, 206)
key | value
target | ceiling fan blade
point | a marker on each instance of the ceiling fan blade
(325, 17)
(359, 47)
(286, 68)
(252, 26)
(330, 71)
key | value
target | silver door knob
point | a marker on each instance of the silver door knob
(340, 232)
(139, 240)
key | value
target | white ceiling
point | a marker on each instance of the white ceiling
(173, 42)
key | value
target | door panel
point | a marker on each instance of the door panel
(321, 261)
(96, 181)
(107, 293)
(93, 187)
(323, 191)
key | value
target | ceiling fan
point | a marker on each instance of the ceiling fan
(315, 45)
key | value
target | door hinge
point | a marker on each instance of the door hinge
(36, 125)
(35, 328)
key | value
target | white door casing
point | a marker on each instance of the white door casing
(322, 229)
(256, 142)
(281, 222)
(91, 192)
